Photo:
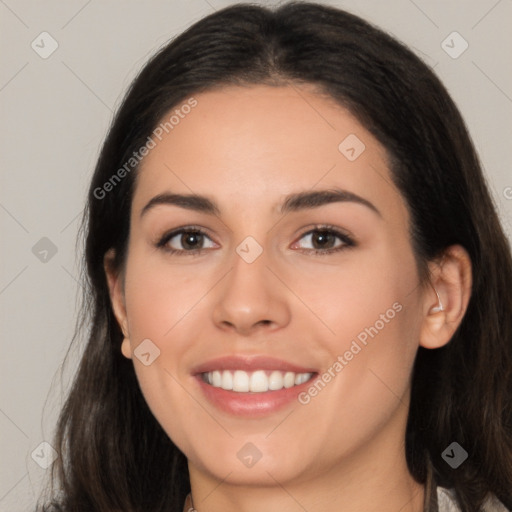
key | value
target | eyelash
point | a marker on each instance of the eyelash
(348, 242)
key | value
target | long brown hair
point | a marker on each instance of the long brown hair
(114, 454)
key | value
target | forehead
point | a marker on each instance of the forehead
(254, 144)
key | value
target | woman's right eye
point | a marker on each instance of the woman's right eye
(184, 241)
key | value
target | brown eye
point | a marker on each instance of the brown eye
(191, 239)
(184, 241)
(324, 240)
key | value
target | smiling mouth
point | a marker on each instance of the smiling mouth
(259, 381)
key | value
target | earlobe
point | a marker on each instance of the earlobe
(126, 348)
(446, 299)
(114, 281)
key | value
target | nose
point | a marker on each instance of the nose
(251, 298)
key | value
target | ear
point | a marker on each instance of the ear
(116, 291)
(451, 278)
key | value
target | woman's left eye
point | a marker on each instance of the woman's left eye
(323, 239)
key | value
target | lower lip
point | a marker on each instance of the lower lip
(251, 405)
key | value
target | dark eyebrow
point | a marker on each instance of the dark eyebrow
(188, 201)
(314, 199)
(292, 203)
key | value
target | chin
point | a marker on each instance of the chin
(243, 463)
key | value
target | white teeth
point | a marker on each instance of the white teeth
(275, 381)
(240, 381)
(259, 381)
(289, 379)
(300, 378)
(227, 381)
(216, 379)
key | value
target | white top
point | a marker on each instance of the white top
(448, 503)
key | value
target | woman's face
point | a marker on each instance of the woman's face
(245, 301)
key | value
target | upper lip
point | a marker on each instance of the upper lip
(249, 363)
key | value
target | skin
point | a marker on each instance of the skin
(247, 148)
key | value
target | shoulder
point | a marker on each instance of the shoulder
(447, 502)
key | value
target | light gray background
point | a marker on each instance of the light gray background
(55, 113)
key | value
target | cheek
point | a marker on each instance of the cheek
(161, 309)
(365, 381)
(160, 300)
(371, 310)
(169, 403)
(360, 296)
